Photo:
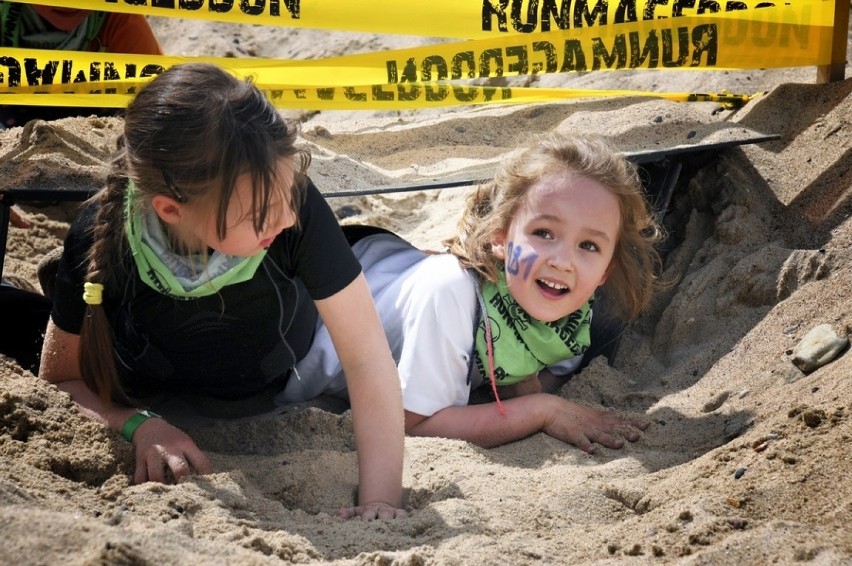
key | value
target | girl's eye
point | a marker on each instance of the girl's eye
(589, 246)
(542, 233)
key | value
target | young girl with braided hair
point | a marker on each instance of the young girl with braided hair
(511, 303)
(202, 268)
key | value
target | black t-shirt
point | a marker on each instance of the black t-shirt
(231, 344)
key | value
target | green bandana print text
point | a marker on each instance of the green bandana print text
(156, 274)
(523, 346)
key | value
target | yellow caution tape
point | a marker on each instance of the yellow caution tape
(389, 97)
(415, 77)
(461, 19)
(687, 43)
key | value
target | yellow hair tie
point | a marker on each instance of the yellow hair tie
(93, 293)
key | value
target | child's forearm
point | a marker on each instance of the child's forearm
(484, 425)
(374, 390)
(380, 438)
(113, 416)
(565, 420)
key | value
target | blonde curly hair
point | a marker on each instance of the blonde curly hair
(491, 207)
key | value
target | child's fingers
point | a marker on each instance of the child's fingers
(371, 512)
(630, 432)
(585, 445)
(140, 476)
(628, 428)
(607, 439)
(624, 424)
(154, 467)
(634, 424)
(392, 513)
(583, 439)
(178, 465)
(153, 464)
(199, 462)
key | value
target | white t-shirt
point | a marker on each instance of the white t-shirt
(428, 307)
(425, 301)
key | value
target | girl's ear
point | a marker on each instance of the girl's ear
(168, 209)
(498, 246)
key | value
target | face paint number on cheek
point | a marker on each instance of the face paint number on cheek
(517, 261)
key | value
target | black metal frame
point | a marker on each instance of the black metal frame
(662, 170)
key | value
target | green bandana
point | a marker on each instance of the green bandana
(23, 27)
(523, 346)
(175, 275)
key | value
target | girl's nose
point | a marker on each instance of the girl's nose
(288, 220)
(284, 220)
(562, 259)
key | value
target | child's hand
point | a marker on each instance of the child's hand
(162, 448)
(373, 511)
(583, 426)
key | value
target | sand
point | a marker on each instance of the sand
(747, 458)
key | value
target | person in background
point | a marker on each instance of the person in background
(35, 26)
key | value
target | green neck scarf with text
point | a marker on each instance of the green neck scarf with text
(520, 345)
(176, 275)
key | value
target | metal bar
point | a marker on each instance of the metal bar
(4, 232)
(638, 157)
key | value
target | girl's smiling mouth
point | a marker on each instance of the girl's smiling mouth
(552, 288)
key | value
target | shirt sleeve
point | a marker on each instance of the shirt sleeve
(323, 259)
(129, 33)
(437, 336)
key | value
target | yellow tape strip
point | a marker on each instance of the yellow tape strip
(392, 97)
(461, 19)
(755, 39)
(687, 43)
